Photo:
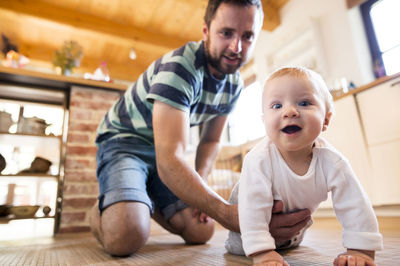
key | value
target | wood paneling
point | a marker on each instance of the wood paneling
(107, 30)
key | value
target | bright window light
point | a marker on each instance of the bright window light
(245, 122)
(391, 59)
(385, 19)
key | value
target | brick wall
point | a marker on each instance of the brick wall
(87, 108)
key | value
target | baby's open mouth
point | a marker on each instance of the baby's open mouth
(291, 129)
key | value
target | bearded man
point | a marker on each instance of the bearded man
(141, 166)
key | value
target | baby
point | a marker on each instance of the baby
(295, 165)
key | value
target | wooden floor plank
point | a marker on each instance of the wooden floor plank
(320, 246)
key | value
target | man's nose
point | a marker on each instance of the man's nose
(290, 111)
(236, 45)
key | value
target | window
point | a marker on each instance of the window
(245, 122)
(381, 20)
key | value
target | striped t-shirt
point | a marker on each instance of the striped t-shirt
(181, 79)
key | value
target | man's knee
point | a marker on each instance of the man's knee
(125, 228)
(126, 241)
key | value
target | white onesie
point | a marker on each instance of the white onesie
(266, 176)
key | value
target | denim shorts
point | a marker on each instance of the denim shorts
(127, 171)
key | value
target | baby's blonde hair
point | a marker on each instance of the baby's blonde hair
(316, 80)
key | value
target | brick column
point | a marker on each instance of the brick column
(87, 108)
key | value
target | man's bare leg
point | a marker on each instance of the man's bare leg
(123, 227)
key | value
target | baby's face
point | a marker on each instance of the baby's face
(294, 113)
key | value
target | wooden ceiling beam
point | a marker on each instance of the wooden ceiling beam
(62, 21)
(41, 33)
(276, 3)
(270, 7)
(90, 22)
(271, 16)
(197, 3)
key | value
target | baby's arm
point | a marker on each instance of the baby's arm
(255, 204)
(355, 257)
(354, 211)
(268, 258)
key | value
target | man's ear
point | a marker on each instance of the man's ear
(326, 121)
(205, 31)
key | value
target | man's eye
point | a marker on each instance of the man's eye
(276, 106)
(248, 36)
(304, 103)
(226, 33)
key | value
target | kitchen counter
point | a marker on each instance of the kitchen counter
(368, 86)
(52, 80)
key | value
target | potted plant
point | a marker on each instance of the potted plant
(68, 57)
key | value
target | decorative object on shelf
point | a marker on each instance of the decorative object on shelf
(7, 45)
(132, 54)
(5, 121)
(5, 210)
(101, 73)
(12, 55)
(24, 211)
(39, 166)
(46, 210)
(15, 60)
(32, 125)
(68, 57)
(2, 163)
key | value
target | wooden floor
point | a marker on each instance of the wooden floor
(320, 246)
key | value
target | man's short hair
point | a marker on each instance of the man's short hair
(214, 4)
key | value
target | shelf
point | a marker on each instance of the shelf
(30, 135)
(30, 175)
(55, 81)
(20, 150)
(6, 219)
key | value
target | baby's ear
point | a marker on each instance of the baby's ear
(326, 121)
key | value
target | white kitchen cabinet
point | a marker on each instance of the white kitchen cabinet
(346, 135)
(380, 114)
(385, 160)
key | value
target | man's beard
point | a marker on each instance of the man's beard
(216, 62)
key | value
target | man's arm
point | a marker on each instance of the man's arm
(171, 130)
(207, 152)
(209, 145)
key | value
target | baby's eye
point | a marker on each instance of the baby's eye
(276, 106)
(304, 103)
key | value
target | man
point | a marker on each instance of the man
(142, 140)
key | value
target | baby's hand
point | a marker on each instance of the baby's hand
(269, 258)
(272, 263)
(353, 258)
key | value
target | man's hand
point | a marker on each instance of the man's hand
(284, 227)
(201, 216)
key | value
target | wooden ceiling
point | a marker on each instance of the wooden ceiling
(108, 29)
